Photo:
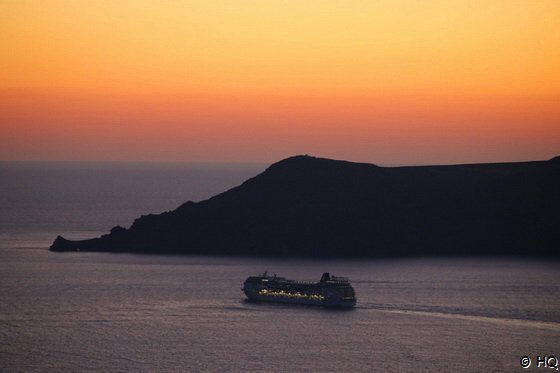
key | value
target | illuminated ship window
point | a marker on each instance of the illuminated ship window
(282, 293)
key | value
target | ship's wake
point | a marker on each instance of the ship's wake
(458, 314)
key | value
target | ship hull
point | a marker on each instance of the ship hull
(281, 299)
(287, 300)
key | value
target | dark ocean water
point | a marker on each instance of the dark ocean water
(99, 312)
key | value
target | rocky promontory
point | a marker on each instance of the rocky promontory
(316, 207)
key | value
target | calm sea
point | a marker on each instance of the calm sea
(99, 312)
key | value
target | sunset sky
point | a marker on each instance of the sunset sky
(385, 81)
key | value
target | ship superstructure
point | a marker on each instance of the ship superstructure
(330, 291)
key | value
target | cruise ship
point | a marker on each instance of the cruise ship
(330, 291)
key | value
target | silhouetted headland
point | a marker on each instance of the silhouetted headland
(316, 207)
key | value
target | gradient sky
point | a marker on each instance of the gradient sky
(385, 81)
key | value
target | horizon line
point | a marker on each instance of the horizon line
(258, 163)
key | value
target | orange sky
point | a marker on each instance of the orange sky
(385, 81)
